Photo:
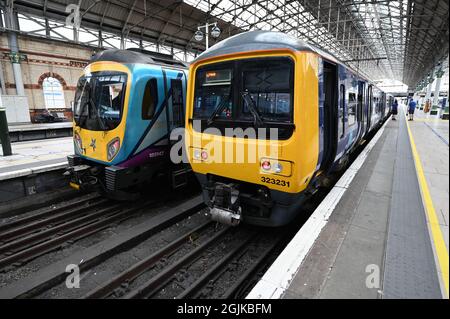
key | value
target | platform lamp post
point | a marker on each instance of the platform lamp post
(215, 32)
(4, 134)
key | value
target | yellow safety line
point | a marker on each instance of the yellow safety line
(438, 238)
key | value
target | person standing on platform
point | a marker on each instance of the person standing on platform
(394, 110)
(411, 109)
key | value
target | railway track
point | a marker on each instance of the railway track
(200, 260)
(84, 223)
(204, 260)
(45, 230)
(208, 261)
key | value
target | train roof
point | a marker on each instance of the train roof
(257, 40)
(266, 40)
(137, 56)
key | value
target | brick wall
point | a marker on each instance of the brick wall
(63, 61)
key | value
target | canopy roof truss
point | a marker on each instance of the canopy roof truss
(396, 39)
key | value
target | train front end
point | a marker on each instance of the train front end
(100, 112)
(252, 130)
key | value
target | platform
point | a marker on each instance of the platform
(34, 167)
(38, 131)
(382, 232)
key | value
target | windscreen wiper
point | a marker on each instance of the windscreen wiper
(81, 114)
(78, 119)
(252, 108)
(219, 109)
(98, 117)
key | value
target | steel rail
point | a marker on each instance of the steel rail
(46, 212)
(239, 283)
(67, 226)
(137, 269)
(76, 234)
(212, 272)
(38, 224)
(151, 286)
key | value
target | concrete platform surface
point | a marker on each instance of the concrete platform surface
(38, 126)
(30, 157)
(431, 138)
(375, 235)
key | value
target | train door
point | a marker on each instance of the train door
(177, 104)
(369, 107)
(173, 81)
(383, 105)
(330, 106)
(361, 116)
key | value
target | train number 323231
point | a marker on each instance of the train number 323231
(274, 181)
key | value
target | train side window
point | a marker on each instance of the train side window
(150, 100)
(352, 103)
(341, 127)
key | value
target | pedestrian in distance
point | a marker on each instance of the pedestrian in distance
(394, 110)
(411, 109)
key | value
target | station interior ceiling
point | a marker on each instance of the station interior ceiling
(404, 40)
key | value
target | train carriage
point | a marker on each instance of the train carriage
(257, 82)
(126, 105)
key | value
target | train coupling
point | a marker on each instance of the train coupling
(225, 207)
(225, 216)
(82, 177)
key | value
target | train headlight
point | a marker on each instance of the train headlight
(278, 168)
(265, 165)
(78, 143)
(197, 154)
(113, 148)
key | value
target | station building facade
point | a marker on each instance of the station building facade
(50, 70)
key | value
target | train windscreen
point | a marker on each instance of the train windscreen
(246, 93)
(99, 99)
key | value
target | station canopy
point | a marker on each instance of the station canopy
(404, 40)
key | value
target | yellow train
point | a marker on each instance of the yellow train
(268, 118)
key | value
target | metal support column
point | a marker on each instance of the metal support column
(439, 75)
(100, 39)
(10, 21)
(2, 81)
(428, 94)
(4, 133)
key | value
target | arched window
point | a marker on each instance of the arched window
(53, 93)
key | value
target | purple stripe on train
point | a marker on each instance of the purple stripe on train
(153, 153)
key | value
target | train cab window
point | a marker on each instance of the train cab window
(352, 103)
(99, 100)
(213, 91)
(256, 92)
(268, 83)
(150, 100)
(341, 119)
